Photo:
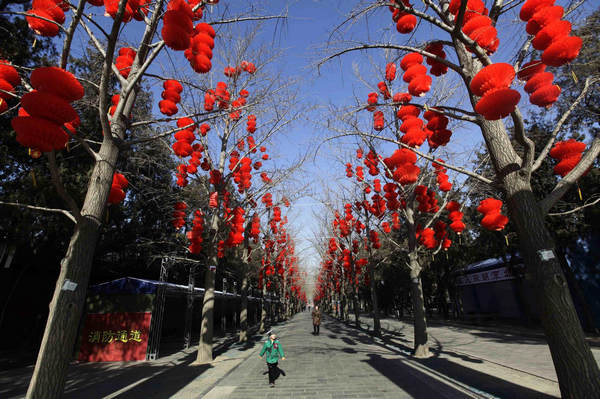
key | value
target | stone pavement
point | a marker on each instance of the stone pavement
(343, 362)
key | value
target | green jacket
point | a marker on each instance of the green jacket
(273, 350)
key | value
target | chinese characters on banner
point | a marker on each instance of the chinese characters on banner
(110, 337)
(489, 276)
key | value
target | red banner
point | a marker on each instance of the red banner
(113, 337)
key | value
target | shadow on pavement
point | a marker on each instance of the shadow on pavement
(403, 375)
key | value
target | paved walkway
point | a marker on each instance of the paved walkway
(341, 362)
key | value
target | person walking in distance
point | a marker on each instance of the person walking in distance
(274, 350)
(316, 319)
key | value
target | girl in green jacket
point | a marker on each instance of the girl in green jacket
(274, 350)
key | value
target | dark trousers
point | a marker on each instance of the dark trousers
(273, 372)
(316, 328)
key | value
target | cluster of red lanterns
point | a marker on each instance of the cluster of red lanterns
(568, 153)
(241, 171)
(371, 161)
(181, 175)
(377, 208)
(178, 25)
(378, 121)
(9, 78)
(415, 74)
(54, 13)
(455, 216)
(195, 235)
(437, 68)
(184, 137)
(551, 32)
(402, 165)
(114, 101)
(199, 53)
(383, 89)
(426, 237)
(391, 196)
(179, 215)
(136, 9)
(390, 72)
(405, 22)
(442, 177)
(236, 232)
(267, 200)
(374, 239)
(46, 111)
(477, 25)
(441, 234)
(539, 84)
(124, 61)
(412, 126)
(117, 189)
(492, 218)
(234, 72)
(251, 124)
(255, 228)
(492, 85)
(427, 200)
(437, 123)
(171, 97)
(395, 221)
(372, 101)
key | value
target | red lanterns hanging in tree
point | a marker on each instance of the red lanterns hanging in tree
(551, 33)
(46, 109)
(492, 85)
(492, 218)
(539, 84)
(9, 78)
(124, 61)
(199, 53)
(171, 97)
(117, 189)
(53, 14)
(568, 153)
(415, 74)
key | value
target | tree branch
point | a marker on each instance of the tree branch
(585, 205)
(566, 182)
(60, 188)
(588, 83)
(41, 208)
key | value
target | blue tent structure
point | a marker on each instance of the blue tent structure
(168, 304)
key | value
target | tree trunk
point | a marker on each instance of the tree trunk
(421, 346)
(263, 310)
(376, 321)
(189, 312)
(243, 337)
(577, 370)
(208, 309)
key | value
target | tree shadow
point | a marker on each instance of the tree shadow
(404, 377)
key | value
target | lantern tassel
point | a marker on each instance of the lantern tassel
(574, 77)
(506, 239)
(579, 192)
(34, 42)
(33, 179)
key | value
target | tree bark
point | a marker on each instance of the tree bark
(577, 370)
(243, 337)
(208, 309)
(376, 321)
(66, 307)
(421, 341)
(189, 312)
(263, 310)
